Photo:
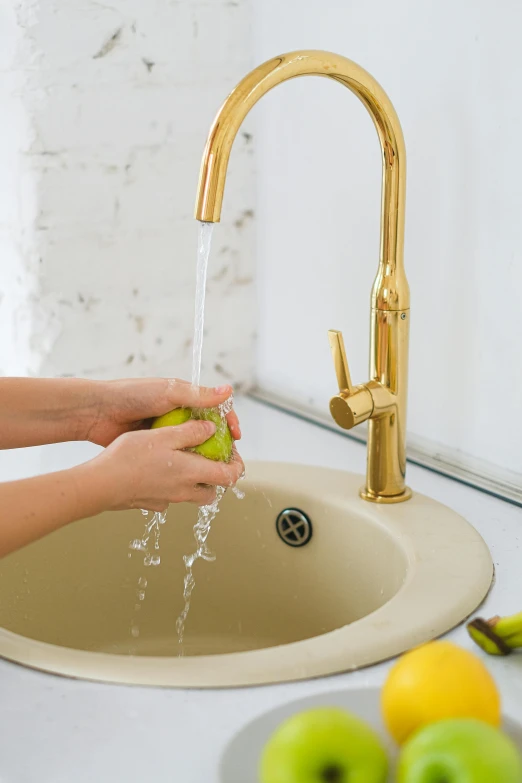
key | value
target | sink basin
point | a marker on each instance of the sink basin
(372, 581)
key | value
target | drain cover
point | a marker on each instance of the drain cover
(294, 527)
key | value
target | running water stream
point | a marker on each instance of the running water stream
(206, 514)
(149, 543)
(204, 243)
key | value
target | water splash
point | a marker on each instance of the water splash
(149, 543)
(238, 492)
(204, 242)
(206, 515)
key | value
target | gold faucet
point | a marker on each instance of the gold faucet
(381, 401)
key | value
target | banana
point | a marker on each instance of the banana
(510, 629)
(499, 635)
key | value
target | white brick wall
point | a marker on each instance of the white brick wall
(106, 107)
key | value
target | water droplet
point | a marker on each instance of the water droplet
(138, 545)
(226, 406)
(135, 631)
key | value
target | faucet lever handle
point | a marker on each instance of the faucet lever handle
(353, 404)
(340, 361)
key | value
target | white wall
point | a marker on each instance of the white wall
(453, 71)
(105, 108)
(18, 208)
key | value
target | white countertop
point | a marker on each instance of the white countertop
(54, 730)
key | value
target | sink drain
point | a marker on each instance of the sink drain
(294, 527)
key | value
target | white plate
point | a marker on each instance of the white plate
(240, 759)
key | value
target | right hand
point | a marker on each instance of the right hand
(149, 468)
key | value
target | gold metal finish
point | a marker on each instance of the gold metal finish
(353, 404)
(383, 400)
(342, 370)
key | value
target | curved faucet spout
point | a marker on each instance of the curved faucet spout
(390, 291)
(381, 401)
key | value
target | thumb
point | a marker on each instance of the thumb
(192, 433)
(188, 396)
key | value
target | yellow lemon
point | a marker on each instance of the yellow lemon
(436, 681)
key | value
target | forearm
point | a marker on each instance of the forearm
(34, 507)
(34, 411)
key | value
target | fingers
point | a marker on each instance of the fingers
(186, 436)
(216, 474)
(183, 394)
(237, 465)
(233, 424)
(203, 495)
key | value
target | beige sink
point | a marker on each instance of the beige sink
(371, 582)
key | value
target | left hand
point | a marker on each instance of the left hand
(124, 406)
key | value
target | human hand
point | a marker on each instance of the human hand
(124, 406)
(150, 469)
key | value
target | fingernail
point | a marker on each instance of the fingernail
(222, 389)
(211, 427)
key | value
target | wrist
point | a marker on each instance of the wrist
(75, 406)
(95, 395)
(92, 485)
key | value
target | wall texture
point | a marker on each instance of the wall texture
(105, 110)
(450, 70)
(105, 107)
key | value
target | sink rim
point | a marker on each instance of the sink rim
(402, 622)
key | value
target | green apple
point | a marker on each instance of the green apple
(324, 745)
(218, 447)
(459, 750)
(171, 419)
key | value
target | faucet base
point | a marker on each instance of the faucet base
(365, 494)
